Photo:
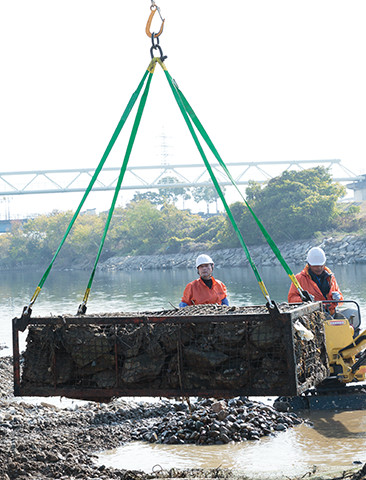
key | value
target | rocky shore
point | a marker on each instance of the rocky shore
(42, 441)
(340, 251)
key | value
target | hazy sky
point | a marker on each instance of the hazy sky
(270, 80)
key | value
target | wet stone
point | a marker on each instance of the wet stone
(64, 443)
(236, 350)
(260, 421)
(280, 427)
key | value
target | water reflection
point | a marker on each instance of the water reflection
(147, 290)
(345, 425)
(298, 451)
(335, 441)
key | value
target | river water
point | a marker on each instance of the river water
(334, 442)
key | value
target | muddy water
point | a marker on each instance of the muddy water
(146, 290)
(335, 442)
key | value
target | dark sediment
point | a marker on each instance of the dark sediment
(41, 441)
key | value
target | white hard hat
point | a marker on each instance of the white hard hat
(201, 259)
(316, 256)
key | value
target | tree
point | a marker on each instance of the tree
(293, 205)
(50, 228)
(297, 204)
(171, 193)
(206, 194)
(86, 235)
(152, 197)
(252, 191)
(209, 230)
(138, 228)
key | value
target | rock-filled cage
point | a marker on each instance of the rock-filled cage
(206, 350)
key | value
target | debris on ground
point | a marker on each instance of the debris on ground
(44, 441)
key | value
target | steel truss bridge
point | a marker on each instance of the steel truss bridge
(32, 182)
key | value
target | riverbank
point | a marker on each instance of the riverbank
(44, 441)
(342, 250)
(346, 250)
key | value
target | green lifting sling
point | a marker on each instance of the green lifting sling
(189, 117)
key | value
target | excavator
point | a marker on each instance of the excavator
(345, 388)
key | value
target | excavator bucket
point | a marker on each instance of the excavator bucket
(205, 350)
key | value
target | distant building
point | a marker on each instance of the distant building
(5, 226)
(89, 211)
(359, 189)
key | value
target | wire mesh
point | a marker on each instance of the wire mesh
(174, 353)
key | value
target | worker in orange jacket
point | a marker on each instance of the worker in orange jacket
(318, 280)
(205, 289)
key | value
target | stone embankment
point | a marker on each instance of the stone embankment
(340, 251)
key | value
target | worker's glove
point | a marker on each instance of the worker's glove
(307, 297)
(336, 295)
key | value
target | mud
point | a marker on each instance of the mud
(42, 441)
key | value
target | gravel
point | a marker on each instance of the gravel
(44, 441)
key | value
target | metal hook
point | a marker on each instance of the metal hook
(153, 4)
(153, 9)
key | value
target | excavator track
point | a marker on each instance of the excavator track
(334, 396)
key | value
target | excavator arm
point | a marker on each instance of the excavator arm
(358, 369)
(357, 346)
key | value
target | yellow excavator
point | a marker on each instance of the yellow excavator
(346, 352)
(345, 388)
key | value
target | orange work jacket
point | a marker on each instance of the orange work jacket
(308, 284)
(198, 293)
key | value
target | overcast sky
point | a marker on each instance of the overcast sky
(270, 80)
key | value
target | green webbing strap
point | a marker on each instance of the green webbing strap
(82, 307)
(266, 235)
(112, 141)
(216, 184)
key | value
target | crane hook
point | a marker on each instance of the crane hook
(153, 9)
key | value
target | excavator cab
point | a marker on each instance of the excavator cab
(345, 345)
(354, 318)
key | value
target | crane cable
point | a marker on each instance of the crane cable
(183, 110)
(185, 107)
(151, 68)
(27, 310)
(149, 72)
(266, 235)
(82, 306)
(178, 99)
(187, 112)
